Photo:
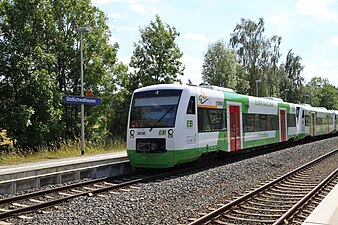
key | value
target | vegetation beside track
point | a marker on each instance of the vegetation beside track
(16, 156)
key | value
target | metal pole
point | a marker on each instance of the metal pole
(285, 93)
(82, 105)
(256, 88)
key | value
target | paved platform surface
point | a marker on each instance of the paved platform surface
(52, 163)
(326, 213)
(14, 178)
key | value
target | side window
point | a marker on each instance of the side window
(257, 123)
(291, 120)
(264, 122)
(211, 120)
(204, 124)
(191, 105)
(275, 122)
(248, 122)
(216, 119)
(307, 120)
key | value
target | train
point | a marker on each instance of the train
(172, 124)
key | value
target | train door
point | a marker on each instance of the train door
(191, 124)
(282, 123)
(313, 124)
(235, 127)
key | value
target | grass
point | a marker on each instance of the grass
(6, 140)
(17, 156)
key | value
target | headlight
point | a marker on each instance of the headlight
(170, 131)
(132, 132)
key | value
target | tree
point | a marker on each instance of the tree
(220, 66)
(321, 93)
(40, 63)
(258, 55)
(292, 81)
(156, 57)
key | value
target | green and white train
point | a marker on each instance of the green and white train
(175, 124)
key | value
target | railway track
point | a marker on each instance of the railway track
(289, 198)
(22, 204)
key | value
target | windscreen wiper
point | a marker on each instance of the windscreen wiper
(161, 117)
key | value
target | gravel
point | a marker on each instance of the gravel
(175, 200)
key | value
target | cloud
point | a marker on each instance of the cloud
(334, 41)
(195, 37)
(279, 18)
(319, 9)
(193, 67)
(113, 40)
(142, 9)
(324, 70)
(115, 15)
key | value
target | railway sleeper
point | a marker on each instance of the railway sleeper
(262, 209)
(248, 219)
(290, 195)
(280, 197)
(298, 184)
(275, 201)
(287, 190)
(256, 214)
(270, 206)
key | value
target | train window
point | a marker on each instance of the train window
(257, 123)
(263, 119)
(248, 122)
(216, 118)
(204, 124)
(319, 121)
(268, 122)
(274, 122)
(191, 105)
(211, 119)
(291, 120)
(307, 120)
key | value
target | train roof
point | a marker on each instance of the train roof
(231, 91)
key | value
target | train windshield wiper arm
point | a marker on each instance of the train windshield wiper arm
(161, 117)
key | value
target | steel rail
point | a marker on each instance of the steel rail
(208, 217)
(301, 202)
(59, 200)
(41, 192)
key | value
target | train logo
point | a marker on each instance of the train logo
(202, 98)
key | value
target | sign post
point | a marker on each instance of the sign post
(81, 100)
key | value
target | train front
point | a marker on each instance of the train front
(151, 126)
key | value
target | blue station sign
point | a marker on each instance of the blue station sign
(81, 100)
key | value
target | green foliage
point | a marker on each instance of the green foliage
(291, 79)
(221, 68)
(156, 57)
(258, 55)
(321, 93)
(40, 62)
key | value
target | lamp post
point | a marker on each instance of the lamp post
(257, 81)
(285, 93)
(81, 30)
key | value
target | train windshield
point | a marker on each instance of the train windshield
(154, 108)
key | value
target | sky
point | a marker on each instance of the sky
(308, 27)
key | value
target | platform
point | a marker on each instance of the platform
(326, 213)
(14, 178)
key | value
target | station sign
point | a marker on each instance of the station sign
(69, 99)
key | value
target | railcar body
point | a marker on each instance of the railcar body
(174, 124)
